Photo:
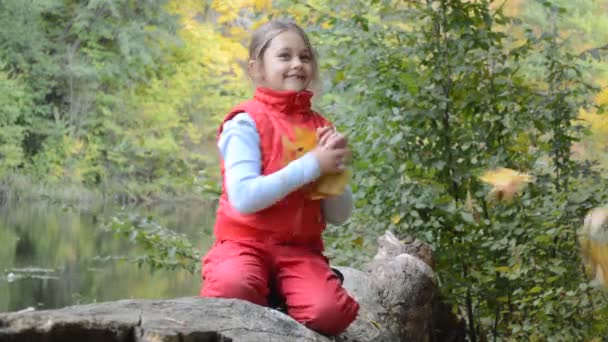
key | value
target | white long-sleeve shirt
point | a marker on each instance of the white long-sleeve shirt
(249, 191)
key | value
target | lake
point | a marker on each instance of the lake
(52, 256)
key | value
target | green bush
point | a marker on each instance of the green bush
(15, 110)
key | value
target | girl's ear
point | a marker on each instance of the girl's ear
(255, 70)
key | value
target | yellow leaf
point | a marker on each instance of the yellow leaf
(506, 183)
(331, 185)
(358, 241)
(326, 25)
(396, 219)
(305, 140)
(593, 239)
(502, 269)
(376, 324)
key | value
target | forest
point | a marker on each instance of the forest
(118, 101)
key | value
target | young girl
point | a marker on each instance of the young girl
(270, 218)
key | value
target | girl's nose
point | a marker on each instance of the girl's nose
(297, 62)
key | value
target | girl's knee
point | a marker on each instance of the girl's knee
(331, 316)
(235, 285)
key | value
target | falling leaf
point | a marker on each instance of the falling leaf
(396, 219)
(593, 238)
(506, 183)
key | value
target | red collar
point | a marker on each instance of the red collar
(285, 101)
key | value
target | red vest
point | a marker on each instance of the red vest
(280, 117)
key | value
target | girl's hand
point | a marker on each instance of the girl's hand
(331, 153)
(326, 133)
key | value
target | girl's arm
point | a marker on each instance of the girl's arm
(249, 191)
(338, 209)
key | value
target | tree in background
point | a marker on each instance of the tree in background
(583, 30)
(77, 61)
(15, 109)
(122, 95)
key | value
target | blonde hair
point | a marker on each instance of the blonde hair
(263, 35)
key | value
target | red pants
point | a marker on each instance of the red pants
(312, 292)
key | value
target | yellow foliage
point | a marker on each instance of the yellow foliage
(74, 146)
(595, 145)
(186, 8)
(602, 97)
(521, 143)
(230, 10)
(163, 144)
(511, 8)
(261, 5)
(207, 76)
(194, 134)
(298, 10)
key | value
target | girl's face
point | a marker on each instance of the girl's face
(287, 63)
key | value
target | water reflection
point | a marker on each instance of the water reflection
(52, 256)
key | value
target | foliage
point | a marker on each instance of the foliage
(595, 146)
(121, 95)
(15, 104)
(429, 106)
(583, 31)
(76, 60)
(165, 248)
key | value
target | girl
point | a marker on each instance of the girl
(274, 150)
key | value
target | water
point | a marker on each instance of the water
(52, 256)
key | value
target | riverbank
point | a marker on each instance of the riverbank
(57, 249)
(21, 187)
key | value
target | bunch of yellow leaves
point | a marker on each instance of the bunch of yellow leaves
(506, 183)
(327, 185)
(593, 238)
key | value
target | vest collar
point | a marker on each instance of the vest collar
(285, 101)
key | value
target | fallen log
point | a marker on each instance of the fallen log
(395, 292)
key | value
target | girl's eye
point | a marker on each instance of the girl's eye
(284, 56)
(305, 58)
